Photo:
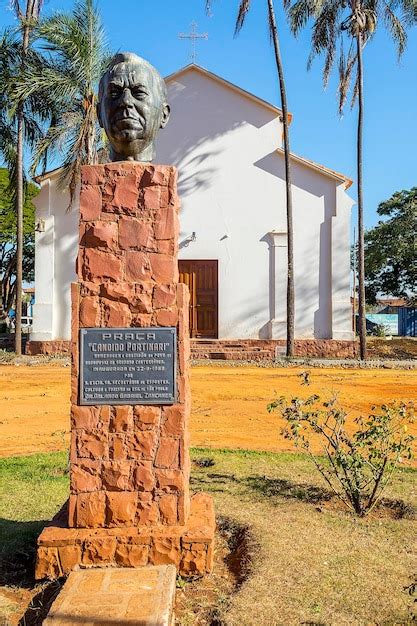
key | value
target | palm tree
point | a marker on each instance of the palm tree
(74, 58)
(244, 7)
(18, 125)
(334, 21)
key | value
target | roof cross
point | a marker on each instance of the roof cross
(193, 36)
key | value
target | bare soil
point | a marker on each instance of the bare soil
(228, 410)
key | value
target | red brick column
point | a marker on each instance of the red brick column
(129, 464)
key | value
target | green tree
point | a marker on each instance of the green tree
(341, 29)
(243, 9)
(390, 249)
(74, 58)
(8, 239)
(19, 125)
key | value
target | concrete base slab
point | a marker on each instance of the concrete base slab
(189, 547)
(144, 596)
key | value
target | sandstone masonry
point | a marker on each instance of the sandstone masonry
(129, 464)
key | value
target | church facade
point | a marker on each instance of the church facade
(226, 144)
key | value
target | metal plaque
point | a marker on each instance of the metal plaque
(128, 366)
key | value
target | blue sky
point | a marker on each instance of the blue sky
(151, 27)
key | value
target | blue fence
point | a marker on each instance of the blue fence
(407, 321)
(387, 320)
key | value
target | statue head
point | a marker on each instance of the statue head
(132, 107)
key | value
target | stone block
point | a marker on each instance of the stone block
(135, 234)
(168, 507)
(194, 559)
(90, 510)
(69, 557)
(169, 480)
(147, 414)
(128, 555)
(122, 419)
(85, 476)
(89, 289)
(126, 194)
(137, 266)
(89, 312)
(166, 317)
(141, 303)
(101, 235)
(92, 445)
(116, 475)
(92, 175)
(98, 266)
(142, 444)
(90, 203)
(165, 226)
(99, 551)
(120, 292)
(141, 320)
(143, 476)
(165, 551)
(86, 417)
(121, 508)
(116, 596)
(116, 315)
(148, 513)
(117, 447)
(173, 420)
(167, 455)
(164, 296)
(47, 563)
(164, 268)
(155, 175)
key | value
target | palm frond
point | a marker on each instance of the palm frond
(243, 10)
(346, 66)
(395, 28)
(300, 12)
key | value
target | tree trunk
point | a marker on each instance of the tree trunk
(361, 242)
(19, 232)
(30, 14)
(290, 234)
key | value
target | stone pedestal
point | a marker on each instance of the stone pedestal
(129, 501)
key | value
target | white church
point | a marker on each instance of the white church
(226, 144)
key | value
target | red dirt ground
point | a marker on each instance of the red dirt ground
(229, 403)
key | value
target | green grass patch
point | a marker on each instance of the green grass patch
(310, 562)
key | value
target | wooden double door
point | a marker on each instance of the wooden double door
(201, 277)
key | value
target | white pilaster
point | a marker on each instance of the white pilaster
(277, 324)
(44, 267)
(341, 306)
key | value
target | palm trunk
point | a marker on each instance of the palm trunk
(19, 233)
(361, 242)
(290, 234)
(31, 12)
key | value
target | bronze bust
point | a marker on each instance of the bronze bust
(132, 107)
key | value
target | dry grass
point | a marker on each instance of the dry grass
(395, 348)
(313, 564)
(305, 561)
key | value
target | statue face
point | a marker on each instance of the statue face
(132, 110)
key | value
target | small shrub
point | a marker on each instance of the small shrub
(359, 466)
(379, 330)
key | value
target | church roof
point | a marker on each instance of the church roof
(247, 94)
(347, 182)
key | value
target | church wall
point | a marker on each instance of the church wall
(232, 190)
(231, 182)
